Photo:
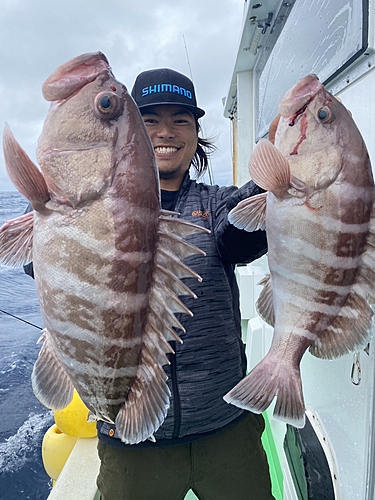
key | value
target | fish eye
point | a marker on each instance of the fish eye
(108, 105)
(324, 114)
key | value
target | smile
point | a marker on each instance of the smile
(165, 150)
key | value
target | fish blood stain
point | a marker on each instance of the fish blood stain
(302, 137)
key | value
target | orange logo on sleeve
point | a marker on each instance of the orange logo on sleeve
(199, 213)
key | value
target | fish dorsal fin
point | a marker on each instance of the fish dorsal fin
(264, 304)
(16, 241)
(269, 169)
(23, 173)
(147, 401)
(249, 214)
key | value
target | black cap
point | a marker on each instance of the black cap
(165, 86)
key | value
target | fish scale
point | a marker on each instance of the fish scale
(108, 262)
(319, 216)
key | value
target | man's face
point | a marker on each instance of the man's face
(173, 133)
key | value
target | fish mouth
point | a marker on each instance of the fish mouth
(296, 100)
(294, 118)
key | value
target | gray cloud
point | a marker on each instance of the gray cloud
(36, 36)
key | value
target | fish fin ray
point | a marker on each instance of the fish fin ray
(147, 401)
(350, 330)
(268, 168)
(172, 225)
(264, 304)
(249, 214)
(270, 379)
(51, 384)
(16, 241)
(181, 248)
(23, 173)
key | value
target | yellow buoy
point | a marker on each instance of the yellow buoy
(72, 420)
(56, 448)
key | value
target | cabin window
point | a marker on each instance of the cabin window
(322, 37)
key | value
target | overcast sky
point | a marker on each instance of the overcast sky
(36, 36)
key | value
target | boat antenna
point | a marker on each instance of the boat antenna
(210, 172)
(20, 319)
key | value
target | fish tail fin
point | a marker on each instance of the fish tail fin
(270, 379)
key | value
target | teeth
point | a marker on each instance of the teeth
(165, 150)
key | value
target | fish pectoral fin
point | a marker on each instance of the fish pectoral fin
(16, 241)
(50, 383)
(349, 331)
(147, 400)
(269, 169)
(269, 379)
(23, 173)
(249, 214)
(264, 304)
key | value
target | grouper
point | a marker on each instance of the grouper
(108, 262)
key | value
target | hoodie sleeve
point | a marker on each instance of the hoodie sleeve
(236, 245)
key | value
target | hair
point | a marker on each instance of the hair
(205, 149)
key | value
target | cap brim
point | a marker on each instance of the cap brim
(197, 112)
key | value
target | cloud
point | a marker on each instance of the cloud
(194, 36)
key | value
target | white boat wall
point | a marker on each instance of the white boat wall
(282, 41)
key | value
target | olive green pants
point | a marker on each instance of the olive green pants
(230, 465)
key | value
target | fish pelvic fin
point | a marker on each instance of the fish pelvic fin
(16, 241)
(249, 214)
(264, 304)
(270, 379)
(24, 174)
(269, 169)
(51, 384)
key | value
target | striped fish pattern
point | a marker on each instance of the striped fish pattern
(107, 260)
(319, 216)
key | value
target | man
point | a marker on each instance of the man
(204, 444)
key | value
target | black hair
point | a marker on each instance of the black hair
(205, 149)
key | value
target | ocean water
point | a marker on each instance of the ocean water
(23, 420)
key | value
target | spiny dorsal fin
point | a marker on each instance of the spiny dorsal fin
(147, 401)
